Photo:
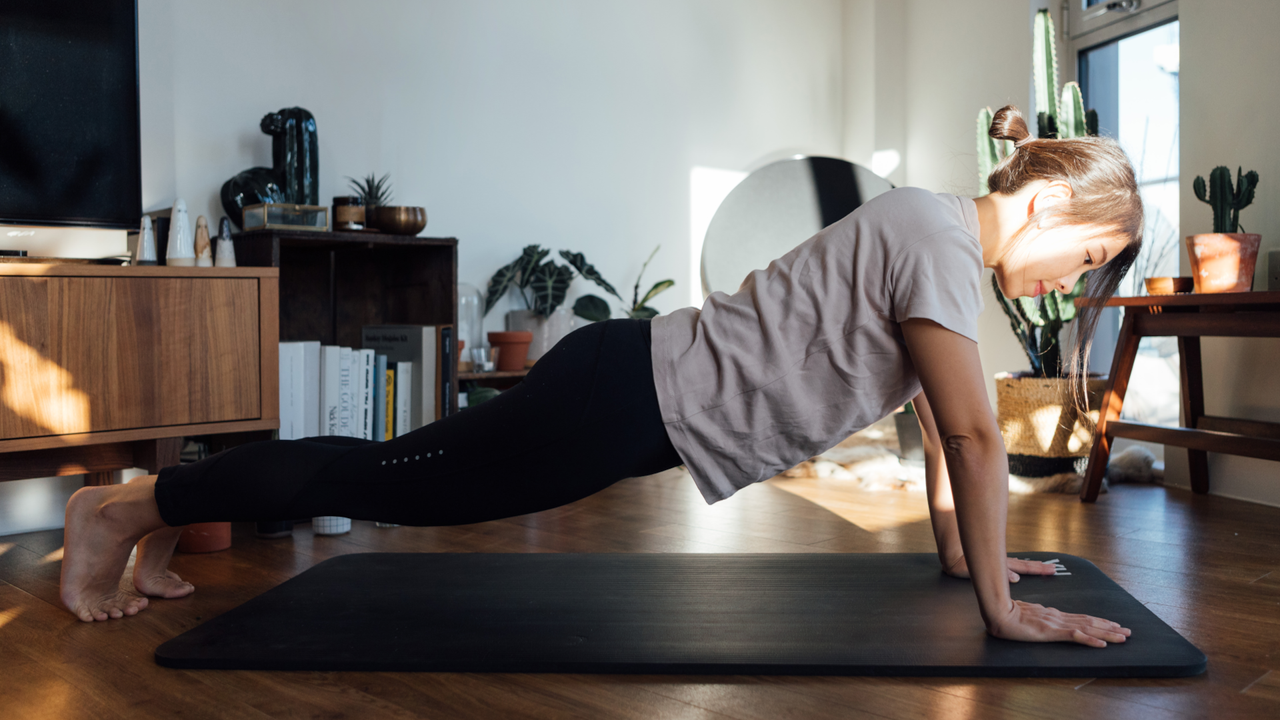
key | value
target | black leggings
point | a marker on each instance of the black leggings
(585, 417)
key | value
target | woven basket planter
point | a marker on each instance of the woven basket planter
(1042, 431)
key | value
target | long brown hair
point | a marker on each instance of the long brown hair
(1104, 194)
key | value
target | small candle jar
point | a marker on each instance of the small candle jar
(348, 213)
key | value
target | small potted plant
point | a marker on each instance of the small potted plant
(1043, 432)
(1223, 261)
(542, 286)
(375, 192)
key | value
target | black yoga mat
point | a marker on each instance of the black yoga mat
(821, 614)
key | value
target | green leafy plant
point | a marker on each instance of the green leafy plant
(592, 307)
(374, 191)
(1225, 200)
(1037, 322)
(542, 285)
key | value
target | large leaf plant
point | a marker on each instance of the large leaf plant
(543, 285)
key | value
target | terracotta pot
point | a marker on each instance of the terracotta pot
(514, 348)
(205, 537)
(1223, 262)
(546, 331)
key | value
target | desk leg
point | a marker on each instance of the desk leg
(99, 478)
(1193, 408)
(151, 455)
(1112, 401)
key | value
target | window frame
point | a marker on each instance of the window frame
(1082, 34)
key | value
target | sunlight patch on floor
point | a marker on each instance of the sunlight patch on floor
(55, 556)
(897, 509)
(7, 615)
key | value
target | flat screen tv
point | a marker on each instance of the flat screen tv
(69, 132)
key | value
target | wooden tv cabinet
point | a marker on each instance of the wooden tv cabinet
(107, 367)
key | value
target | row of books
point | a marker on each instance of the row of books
(394, 384)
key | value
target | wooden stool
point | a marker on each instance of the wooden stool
(1187, 317)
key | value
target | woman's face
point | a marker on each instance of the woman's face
(1054, 258)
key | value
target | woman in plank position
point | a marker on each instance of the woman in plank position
(875, 310)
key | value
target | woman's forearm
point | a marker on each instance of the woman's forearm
(979, 472)
(942, 507)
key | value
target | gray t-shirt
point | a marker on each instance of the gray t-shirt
(809, 351)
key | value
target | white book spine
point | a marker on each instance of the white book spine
(297, 391)
(404, 397)
(366, 395)
(330, 357)
(347, 387)
(310, 388)
(285, 411)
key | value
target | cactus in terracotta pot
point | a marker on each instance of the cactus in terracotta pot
(1225, 200)
(1224, 260)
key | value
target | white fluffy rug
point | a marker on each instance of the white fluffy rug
(869, 460)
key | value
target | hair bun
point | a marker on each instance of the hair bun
(1007, 124)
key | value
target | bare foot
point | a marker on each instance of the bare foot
(151, 573)
(103, 523)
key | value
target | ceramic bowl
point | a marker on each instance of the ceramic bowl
(399, 219)
(1169, 285)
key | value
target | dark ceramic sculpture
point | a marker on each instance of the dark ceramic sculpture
(295, 173)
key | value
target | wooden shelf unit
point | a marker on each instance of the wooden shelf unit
(334, 283)
(108, 367)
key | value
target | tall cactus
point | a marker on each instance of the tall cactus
(1044, 73)
(1226, 201)
(1071, 115)
(1038, 321)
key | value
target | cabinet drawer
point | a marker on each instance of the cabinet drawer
(90, 354)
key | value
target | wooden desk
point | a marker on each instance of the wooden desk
(1187, 317)
(106, 367)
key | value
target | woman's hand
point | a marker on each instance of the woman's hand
(1029, 622)
(959, 568)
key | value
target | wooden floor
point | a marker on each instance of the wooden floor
(1208, 566)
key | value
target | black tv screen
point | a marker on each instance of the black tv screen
(69, 134)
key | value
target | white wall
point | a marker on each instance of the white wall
(961, 55)
(569, 123)
(1228, 63)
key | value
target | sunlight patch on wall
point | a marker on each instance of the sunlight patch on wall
(708, 187)
(884, 162)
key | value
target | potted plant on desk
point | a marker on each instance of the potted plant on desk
(1223, 261)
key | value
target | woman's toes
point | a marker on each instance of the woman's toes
(167, 586)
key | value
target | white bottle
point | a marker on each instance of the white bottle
(181, 250)
(145, 252)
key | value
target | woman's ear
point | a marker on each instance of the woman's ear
(1053, 193)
